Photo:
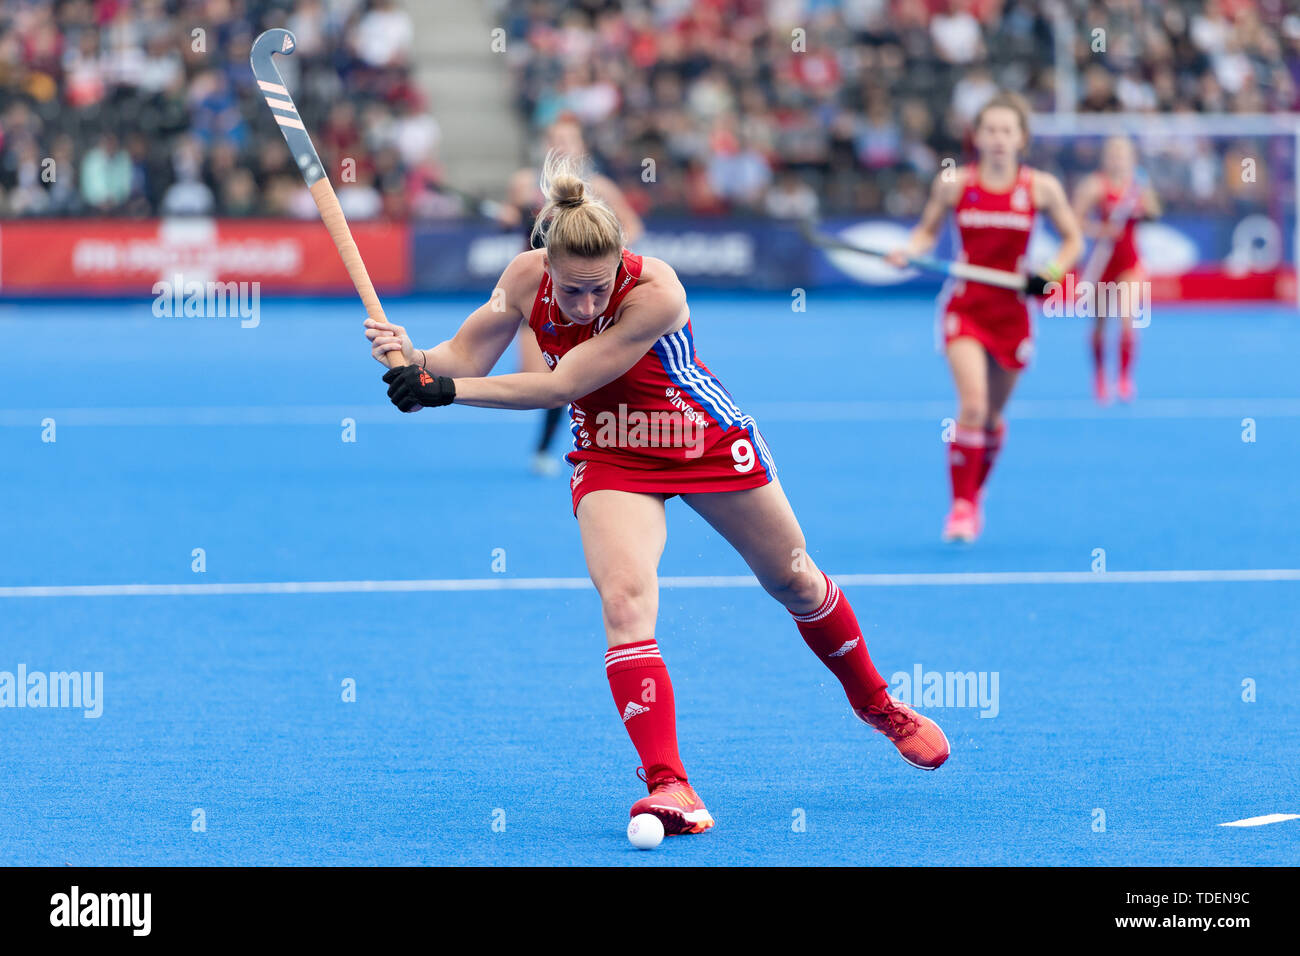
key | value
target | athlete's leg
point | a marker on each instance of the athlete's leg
(623, 536)
(550, 425)
(969, 363)
(761, 526)
(1001, 383)
(1099, 388)
(1127, 337)
(967, 359)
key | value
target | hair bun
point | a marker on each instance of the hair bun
(596, 234)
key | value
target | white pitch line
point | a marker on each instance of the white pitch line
(921, 579)
(1262, 821)
(803, 411)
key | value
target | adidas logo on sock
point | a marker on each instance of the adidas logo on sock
(632, 709)
(847, 646)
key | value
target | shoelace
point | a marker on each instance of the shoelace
(900, 722)
(659, 784)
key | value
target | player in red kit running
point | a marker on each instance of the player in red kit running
(986, 330)
(650, 421)
(1120, 199)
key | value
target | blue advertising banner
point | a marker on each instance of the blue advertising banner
(767, 255)
(707, 254)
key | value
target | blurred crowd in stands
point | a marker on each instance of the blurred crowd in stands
(782, 106)
(776, 107)
(149, 107)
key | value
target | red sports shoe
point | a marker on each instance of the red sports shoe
(676, 805)
(1100, 389)
(963, 522)
(1127, 390)
(919, 740)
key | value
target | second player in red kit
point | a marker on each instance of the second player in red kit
(650, 422)
(987, 332)
(1120, 199)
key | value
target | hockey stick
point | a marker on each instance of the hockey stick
(304, 153)
(1105, 245)
(959, 270)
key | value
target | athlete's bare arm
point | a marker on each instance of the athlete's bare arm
(1086, 197)
(482, 338)
(925, 236)
(1151, 208)
(654, 308)
(1049, 196)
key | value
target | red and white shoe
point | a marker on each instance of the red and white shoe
(676, 805)
(963, 522)
(1127, 390)
(1100, 389)
(918, 738)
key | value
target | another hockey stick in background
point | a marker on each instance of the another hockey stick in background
(960, 270)
(1119, 216)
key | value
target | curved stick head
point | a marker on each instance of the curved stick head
(278, 98)
(277, 40)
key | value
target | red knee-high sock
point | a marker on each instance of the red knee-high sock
(833, 634)
(1127, 348)
(644, 697)
(1098, 350)
(966, 462)
(993, 439)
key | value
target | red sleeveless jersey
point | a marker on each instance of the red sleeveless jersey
(667, 414)
(994, 230)
(1122, 201)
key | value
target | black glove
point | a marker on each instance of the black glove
(410, 386)
(1037, 285)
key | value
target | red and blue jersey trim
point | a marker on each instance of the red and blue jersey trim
(676, 352)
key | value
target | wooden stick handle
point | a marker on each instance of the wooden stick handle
(331, 214)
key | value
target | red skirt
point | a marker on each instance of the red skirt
(1005, 332)
(738, 461)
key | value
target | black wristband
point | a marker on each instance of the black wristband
(410, 386)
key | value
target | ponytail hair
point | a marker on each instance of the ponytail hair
(573, 222)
